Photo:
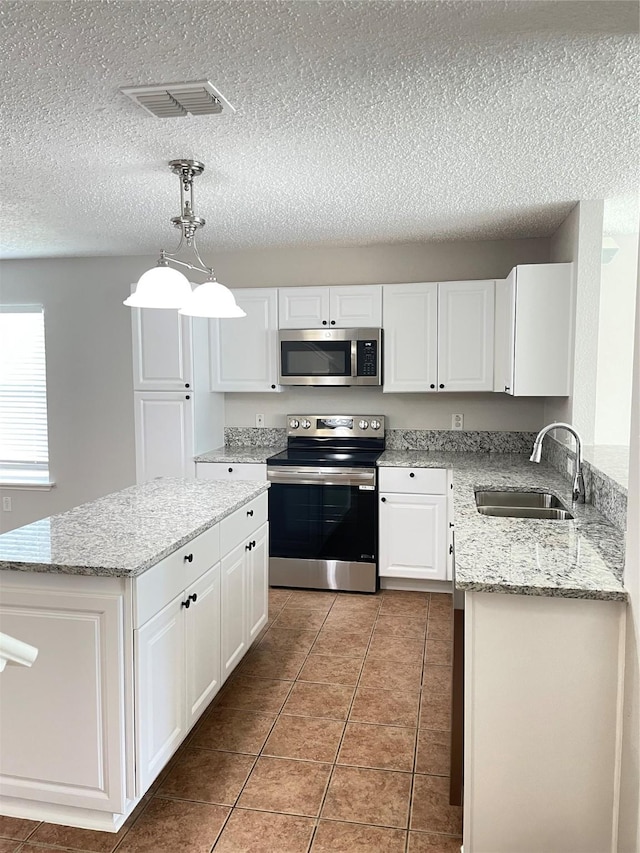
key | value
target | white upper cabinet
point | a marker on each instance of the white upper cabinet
(244, 351)
(161, 350)
(358, 306)
(164, 435)
(410, 337)
(438, 336)
(465, 335)
(533, 331)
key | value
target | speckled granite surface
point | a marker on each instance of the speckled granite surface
(124, 534)
(254, 436)
(463, 441)
(257, 454)
(583, 558)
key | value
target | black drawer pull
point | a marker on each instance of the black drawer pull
(188, 558)
(432, 385)
(250, 512)
(324, 322)
(186, 603)
(253, 544)
(247, 547)
(194, 597)
(186, 384)
(412, 474)
(230, 470)
(187, 397)
(384, 500)
(442, 386)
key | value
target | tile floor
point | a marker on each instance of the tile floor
(330, 737)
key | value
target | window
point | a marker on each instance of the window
(24, 450)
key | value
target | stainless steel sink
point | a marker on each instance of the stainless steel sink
(522, 505)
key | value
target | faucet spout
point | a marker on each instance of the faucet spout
(578, 479)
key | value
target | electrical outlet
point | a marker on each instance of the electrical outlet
(457, 421)
(259, 420)
(6, 504)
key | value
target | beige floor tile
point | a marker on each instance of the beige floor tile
(354, 603)
(379, 747)
(307, 620)
(319, 700)
(309, 738)
(376, 797)
(402, 649)
(279, 597)
(441, 605)
(391, 675)
(440, 629)
(427, 842)
(385, 707)
(333, 641)
(434, 752)
(79, 839)
(264, 832)
(430, 809)
(267, 663)
(289, 640)
(413, 604)
(439, 653)
(309, 600)
(435, 711)
(401, 626)
(208, 776)
(436, 679)
(351, 621)
(287, 786)
(334, 837)
(168, 826)
(15, 827)
(234, 731)
(254, 694)
(332, 670)
(8, 845)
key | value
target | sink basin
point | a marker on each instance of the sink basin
(522, 505)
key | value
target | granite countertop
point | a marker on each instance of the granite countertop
(124, 534)
(583, 558)
(256, 454)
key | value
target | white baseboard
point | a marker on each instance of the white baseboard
(416, 585)
(65, 815)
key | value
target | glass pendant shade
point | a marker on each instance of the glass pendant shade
(211, 299)
(160, 287)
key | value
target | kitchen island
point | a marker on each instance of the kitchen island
(141, 603)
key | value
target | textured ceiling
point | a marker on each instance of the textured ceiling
(356, 122)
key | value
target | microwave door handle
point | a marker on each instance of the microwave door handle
(354, 358)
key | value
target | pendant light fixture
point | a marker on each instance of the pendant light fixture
(165, 287)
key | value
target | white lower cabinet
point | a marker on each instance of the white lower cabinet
(202, 643)
(258, 583)
(413, 524)
(231, 471)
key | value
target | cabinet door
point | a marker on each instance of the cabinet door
(159, 670)
(234, 608)
(356, 307)
(303, 307)
(410, 337)
(161, 350)
(62, 720)
(202, 639)
(244, 351)
(505, 334)
(164, 435)
(413, 536)
(465, 335)
(257, 582)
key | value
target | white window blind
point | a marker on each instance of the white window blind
(23, 390)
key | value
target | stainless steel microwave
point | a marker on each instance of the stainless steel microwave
(330, 357)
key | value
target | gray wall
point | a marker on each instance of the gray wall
(88, 341)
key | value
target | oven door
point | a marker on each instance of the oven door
(317, 357)
(323, 530)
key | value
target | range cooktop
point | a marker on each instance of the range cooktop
(348, 441)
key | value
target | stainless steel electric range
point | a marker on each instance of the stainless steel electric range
(323, 503)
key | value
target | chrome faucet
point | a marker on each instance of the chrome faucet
(578, 479)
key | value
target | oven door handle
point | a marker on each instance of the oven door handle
(322, 477)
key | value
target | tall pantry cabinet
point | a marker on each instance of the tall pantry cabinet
(175, 414)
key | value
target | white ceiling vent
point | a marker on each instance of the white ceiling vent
(168, 100)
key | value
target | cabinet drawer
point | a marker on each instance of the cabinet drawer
(420, 481)
(154, 589)
(238, 526)
(231, 471)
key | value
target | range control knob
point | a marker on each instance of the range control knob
(375, 424)
(363, 424)
(294, 424)
(306, 424)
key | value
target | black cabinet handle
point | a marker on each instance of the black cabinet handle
(273, 386)
(507, 388)
(186, 384)
(324, 322)
(194, 597)
(188, 558)
(186, 603)
(247, 547)
(441, 386)
(250, 512)
(187, 397)
(253, 544)
(230, 470)
(384, 500)
(412, 474)
(432, 385)
(333, 322)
